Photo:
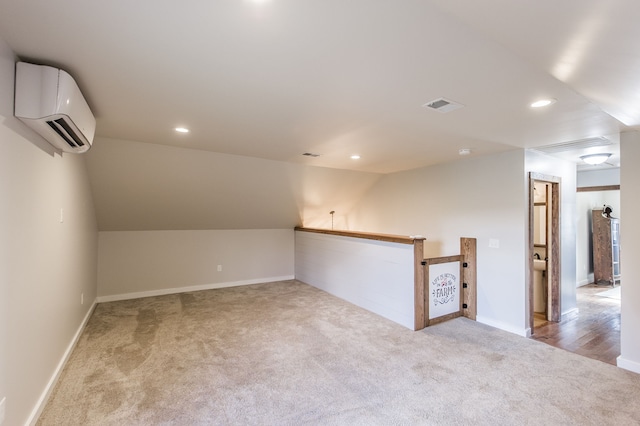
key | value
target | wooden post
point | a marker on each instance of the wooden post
(418, 284)
(469, 294)
(554, 273)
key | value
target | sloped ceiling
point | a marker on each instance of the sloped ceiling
(274, 79)
(591, 46)
(139, 186)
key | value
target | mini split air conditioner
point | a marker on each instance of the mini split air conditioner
(49, 101)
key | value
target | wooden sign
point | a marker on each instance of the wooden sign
(443, 288)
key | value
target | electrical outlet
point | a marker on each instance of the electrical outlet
(82, 298)
(494, 243)
(61, 215)
(2, 404)
(219, 268)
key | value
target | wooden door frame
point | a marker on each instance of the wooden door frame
(553, 247)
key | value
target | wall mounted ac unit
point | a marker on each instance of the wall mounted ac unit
(48, 100)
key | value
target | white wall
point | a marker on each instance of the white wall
(599, 177)
(375, 275)
(485, 198)
(566, 171)
(630, 252)
(146, 263)
(481, 197)
(45, 265)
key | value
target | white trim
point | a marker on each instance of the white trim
(175, 290)
(584, 282)
(2, 410)
(44, 397)
(564, 315)
(628, 364)
(503, 326)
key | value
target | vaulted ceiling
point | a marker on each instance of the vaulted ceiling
(274, 79)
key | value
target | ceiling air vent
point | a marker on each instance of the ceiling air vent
(443, 105)
(310, 154)
(574, 145)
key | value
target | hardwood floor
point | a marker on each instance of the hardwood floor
(594, 331)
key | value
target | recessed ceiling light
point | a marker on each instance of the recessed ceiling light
(182, 130)
(464, 151)
(355, 157)
(543, 103)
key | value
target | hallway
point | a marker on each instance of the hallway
(593, 332)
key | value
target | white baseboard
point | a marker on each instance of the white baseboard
(628, 364)
(564, 315)
(586, 281)
(42, 401)
(44, 397)
(503, 326)
(162, 292)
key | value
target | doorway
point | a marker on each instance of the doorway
(544, 248)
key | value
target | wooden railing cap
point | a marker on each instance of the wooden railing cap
(402, 239)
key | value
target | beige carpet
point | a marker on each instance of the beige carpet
(286, 353)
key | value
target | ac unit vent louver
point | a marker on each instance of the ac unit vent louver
(66, 132)
(49, 101)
